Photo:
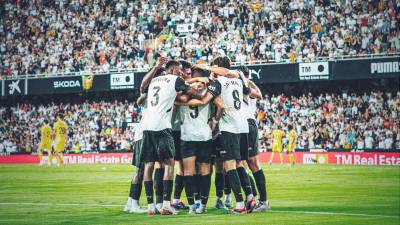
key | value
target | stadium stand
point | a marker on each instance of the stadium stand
(325, 121)
(48, 37)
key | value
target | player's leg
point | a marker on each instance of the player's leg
(50, 156)
(166, 153)
(259, 178)
(137, 180)
(177, 203)
(219, 181)
(280, 150)
(290, 154)
(40, 154)
(179, 185)
(158, 184)
(196, 189)
(148, 187)
(204, 159)
(59, 149)
(254, 166)
(189, 170)
(149, 156)
(271, 159)
(253, 185)
(244, 177)
(219, 184)
(189, 164)
(227, 192)
(230, 153)
(246, 186)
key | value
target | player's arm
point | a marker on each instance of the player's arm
(141, 99)
(181, 99)
(150, 75)
(203, 101)
(214, 90)
(220, 107)
(255, 92)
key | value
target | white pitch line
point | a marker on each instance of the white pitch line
(273, 211)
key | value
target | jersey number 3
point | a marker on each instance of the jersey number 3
(156, 97)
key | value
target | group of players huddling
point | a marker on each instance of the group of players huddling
(198, 116)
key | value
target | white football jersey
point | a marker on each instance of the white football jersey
(231, 92)
(250, 107)
(195, 123)
(160, 101)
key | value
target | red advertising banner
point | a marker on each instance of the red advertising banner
(347, 158)
(109, 158)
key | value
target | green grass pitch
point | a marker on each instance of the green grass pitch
(94, 194)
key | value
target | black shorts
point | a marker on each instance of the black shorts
(215, 149)
(137, 159)
(158, 146)
(253, 138)
(230, 146)
(201, 149)
(176, 134)
(244, 146)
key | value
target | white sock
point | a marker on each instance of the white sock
(227, 196)
(192, 207)
(249, 197)
(150, 206)
(159, 205)
(197, 201)
(239, 205)
(166, 204)
(176, 201)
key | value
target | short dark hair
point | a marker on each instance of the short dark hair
(61, 115)
(245, 71)
(198, 71)
(159, 72)
(221, 61)
(45, 121)
(172, 63)
(185, 64)
(290, 127)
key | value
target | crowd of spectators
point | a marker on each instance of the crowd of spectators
(41, 37)
(92, 126)
(325, 121)
(334, 121)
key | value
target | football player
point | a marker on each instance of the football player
(158, 143)
(61, 137)
(45, 142)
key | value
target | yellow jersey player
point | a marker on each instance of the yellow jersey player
(61, 136)
(45, 142)
(291, 144)
(277, 136)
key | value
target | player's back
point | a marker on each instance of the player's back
(233, 119)
(292, 136)
(277, 136)
(45, 131)
(194, 123)
(60, 129)
(161, 97)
